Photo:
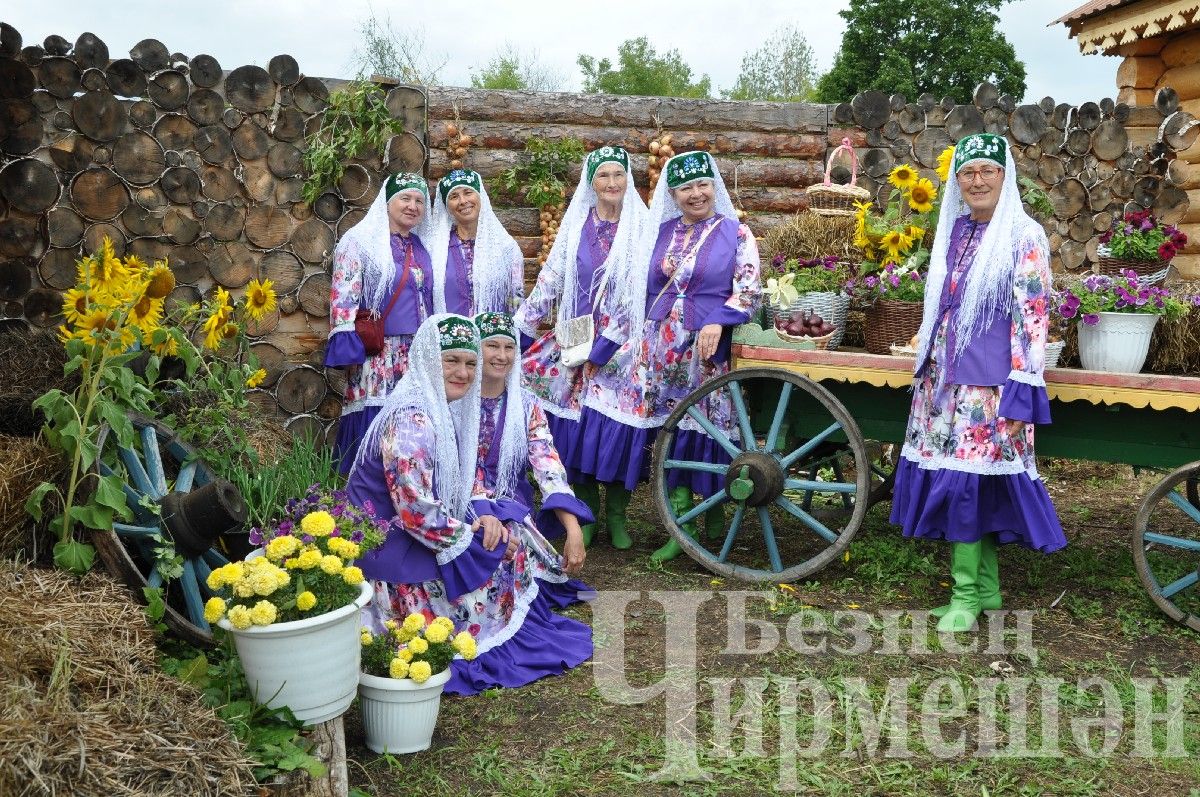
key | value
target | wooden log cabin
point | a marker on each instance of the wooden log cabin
(1159, 42)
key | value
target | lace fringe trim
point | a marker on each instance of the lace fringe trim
(980, 468)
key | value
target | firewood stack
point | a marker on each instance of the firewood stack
(174, 157)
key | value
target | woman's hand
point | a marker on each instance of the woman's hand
(573, 551)
(708, 340)
(1014, 428)
(511, 551)
(494, 532)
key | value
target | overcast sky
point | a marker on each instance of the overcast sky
(711, 36)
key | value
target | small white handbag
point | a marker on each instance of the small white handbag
(575, 336)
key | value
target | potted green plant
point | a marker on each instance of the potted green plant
(404, 669)
(293, 606)
(1119, 315)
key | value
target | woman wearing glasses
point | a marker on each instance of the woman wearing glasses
(968, 474)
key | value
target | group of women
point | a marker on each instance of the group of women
(440, 426)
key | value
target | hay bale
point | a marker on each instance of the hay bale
(1175, 348)
(32, 363)
(808, 235)
(87, 710)
(28, 462)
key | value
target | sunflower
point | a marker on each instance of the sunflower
(146, 313)
(915, 232)
(903, 177)
(212, 337)
(260, 298)
(75, 304)
(168, 346)
(943, 163)
(223, 307)
(921, 196)
(256, 379)
(108, 273)
(896, 242)
(160, 281)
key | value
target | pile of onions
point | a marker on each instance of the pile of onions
(457, 143)
(551, 217)
(660, 152)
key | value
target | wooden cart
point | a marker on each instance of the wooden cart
(818, 436)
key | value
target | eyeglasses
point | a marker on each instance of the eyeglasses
(988, 173)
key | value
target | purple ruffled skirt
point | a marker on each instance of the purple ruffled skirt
(609, 451)
(352, 428)
(961, 507)
(545, 644)
(697, 447)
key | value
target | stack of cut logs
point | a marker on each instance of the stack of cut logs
(171, 157)
(1090, 159)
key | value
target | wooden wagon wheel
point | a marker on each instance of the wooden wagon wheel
(799, 480)
(1166, 545)
(175, 495)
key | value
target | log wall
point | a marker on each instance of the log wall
(1164, 73)
(175, 156)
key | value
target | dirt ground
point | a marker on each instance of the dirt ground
(1092, 627)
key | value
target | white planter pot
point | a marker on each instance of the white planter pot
(1117, 343)
(398, 716)
(310, 665)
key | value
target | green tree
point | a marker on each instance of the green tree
(642, 72)
(396, 54)
(944, 47)
(783, 69)
(510, 68)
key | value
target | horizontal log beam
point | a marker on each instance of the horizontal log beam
(622, 111)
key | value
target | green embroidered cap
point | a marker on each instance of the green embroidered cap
(493, 325)
(404, 181)
(606, 155)
(689, 166)
(457, 332)
(980, 147)
(459, 177)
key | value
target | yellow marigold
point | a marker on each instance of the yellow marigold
(309, 559)
(402, 634)
(464, 644)
(444, 621)
(239, 617)
(943, 163)
(318, 524)
(214, 610)
(256, 378)
(160, 281)
(352, 575)
(263, 613)
(414, 622)
(398, 668)
(420, 671)
(243, 589)
(305, 601)
(903, 176)
(260, 298)
(405, 653)
(418, 646)
(390, 625)
(922, 195)
(331, 564)
(281, 577)
(365, 637)
(436, 634)
(282, 546)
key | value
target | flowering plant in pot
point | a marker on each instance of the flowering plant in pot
(293, 605)
(809, 299)
(404, 670)
(1140, 243)
(1119, 315)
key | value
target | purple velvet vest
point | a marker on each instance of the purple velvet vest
(589, 265)
(986, 360)
(711, 282)
(459, 293)
(401, 559)
(405, 318)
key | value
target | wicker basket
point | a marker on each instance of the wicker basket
(1054, 350)
(889, 321)
(833, 307)
(820, 343)
(826, 198)
(1150, 272)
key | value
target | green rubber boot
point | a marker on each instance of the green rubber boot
(588, 492)
(680, 499)
(714, 523)
(964, 597)
(989, 579)
(616, 499)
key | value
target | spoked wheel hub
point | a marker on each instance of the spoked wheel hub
(758, 479)
(196, 520)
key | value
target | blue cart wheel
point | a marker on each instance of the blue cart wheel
(793, 485)
(174, 495)
(1166, 545)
